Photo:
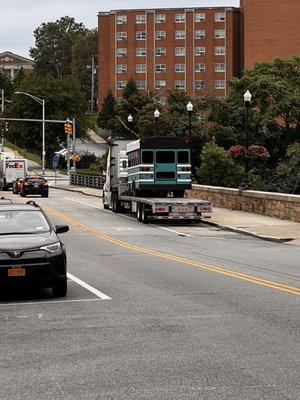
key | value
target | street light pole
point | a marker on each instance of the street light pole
(156, 116)
(247, 101)
(130, 119)
(190, 108)
(42, 103)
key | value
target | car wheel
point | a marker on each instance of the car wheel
(22, 194)
(60, 288)
(45, 195)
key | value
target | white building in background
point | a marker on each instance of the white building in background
(12, 63)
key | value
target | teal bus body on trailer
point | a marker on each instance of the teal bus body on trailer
(159, 165)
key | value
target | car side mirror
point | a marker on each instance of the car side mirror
(61, 228)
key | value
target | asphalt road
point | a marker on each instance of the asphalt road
(175, 312)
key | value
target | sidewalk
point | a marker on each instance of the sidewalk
(267, 228)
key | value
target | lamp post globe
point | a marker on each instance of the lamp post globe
(156, 114)
(190, 108)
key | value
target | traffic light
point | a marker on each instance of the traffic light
(6, 126)
(68, 128)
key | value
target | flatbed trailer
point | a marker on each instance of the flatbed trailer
(158, 209)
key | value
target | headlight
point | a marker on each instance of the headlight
(52, 248)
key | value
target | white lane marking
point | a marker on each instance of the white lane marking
(171, 230)
(88, 287)
(83, 202)
(25, 303)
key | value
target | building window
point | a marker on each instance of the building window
(160, 18)
(220, 17)
(162, 101)
(220, 67)
(140, 51)
(179, 51)
(179, 17)
(199, 67)
(140, 84)
(220, 33)
(140, 68)
(121, 52)
(140, 19)
(121, 35)
(140, 35)
(199, 51)
(220, 50)
(199, 17)
(160, 84)
(160, 51)
(179, 67)
(121, 19)
(199, 34)
(121, 84)
(160, 35)
(199, 84)
(180, 84)
(160, 68)
(220, 98)
(180, 34)
(220, 84)
(121, 68)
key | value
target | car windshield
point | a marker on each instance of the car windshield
(22, 222)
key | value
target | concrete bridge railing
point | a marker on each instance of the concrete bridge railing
(279, 205)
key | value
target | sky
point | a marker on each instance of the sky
(19, 18)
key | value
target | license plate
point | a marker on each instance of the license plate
(183, 208)
(16, 271)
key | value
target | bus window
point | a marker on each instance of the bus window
(165, 157)
(147, 157)
(183, 157)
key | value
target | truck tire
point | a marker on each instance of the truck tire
(139, 212)
(60, 288)
(144, 214)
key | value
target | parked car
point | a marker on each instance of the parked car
(30, 250)
(34, 185)
(17, 185)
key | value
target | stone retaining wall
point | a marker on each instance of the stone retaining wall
(280, 205)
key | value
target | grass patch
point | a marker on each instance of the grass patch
(24, 153)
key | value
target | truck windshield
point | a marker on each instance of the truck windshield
(183, 157)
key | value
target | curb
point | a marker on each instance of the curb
(249, 233)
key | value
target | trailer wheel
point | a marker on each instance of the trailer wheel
(139, 212)
(144, 214)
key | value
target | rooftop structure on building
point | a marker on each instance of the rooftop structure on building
(12, 63)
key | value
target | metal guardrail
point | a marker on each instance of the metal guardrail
(92, 181)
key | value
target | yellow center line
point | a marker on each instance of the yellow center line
(237, 275)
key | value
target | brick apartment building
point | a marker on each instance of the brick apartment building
(193, 49)
(271, 30)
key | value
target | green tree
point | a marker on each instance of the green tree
(52, 53)
(63, 99)
(19, 77)
(218, 168)
(83, 50)
(108, 111)
(6, 83)
(130, 89)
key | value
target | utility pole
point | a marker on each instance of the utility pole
(73, 144)
(2, 111)
(93, 84)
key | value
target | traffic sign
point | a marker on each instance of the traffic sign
(55, 161)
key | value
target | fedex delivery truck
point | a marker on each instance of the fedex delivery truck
(10, 169)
